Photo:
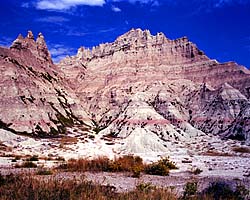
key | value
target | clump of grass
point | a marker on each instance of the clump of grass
(241, 149)
(190, 189)
(44, 172)
(127, 163)
(68, 140)
(33, 158)
(59, 158)
(16, 158)
(145, 187)
(196, 171)
(26, 164)
(95, 165)
(216, 153)
(223, 190)
(161, 167)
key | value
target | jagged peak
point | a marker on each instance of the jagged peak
(38, 47)
(20, 37)
(136, 40)
(30, 35)
(138, 33)
(40, 39)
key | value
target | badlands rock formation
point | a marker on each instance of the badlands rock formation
(33, 97)
(142, 87)
(142, 92)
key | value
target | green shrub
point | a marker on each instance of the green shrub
(157, 169)
(190, 189)
(145, 187)
(136, 172)
(161, 167)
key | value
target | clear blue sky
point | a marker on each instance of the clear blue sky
(221, 28)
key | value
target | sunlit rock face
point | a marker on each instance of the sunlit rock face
(167, 89)
(143, 92)
(34, 98)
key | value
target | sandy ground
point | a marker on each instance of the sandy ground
(214, 157)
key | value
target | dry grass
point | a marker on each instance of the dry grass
(26, 187)
(30, 187)
(5, 148)
(241, 149)
(68, 140)
(132, 164)
(26, 164)
(216, 153)
(97, 165)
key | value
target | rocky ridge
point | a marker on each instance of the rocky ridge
(34, 98)
(140, 94)
(169, 89)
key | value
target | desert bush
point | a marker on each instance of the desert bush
(157, 169)
(95, 165)
(16, 158)
(136, 172)
(145, 187)
(59, 158)
(33, 158)
(190, 189)
(132, 164)
(44, 172)
(126, 163)
(222, 190)
(161, 167)
(196, 171)
(26, 164)
(241, 149)
(121, 164)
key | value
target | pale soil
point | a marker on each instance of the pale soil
(222, 163)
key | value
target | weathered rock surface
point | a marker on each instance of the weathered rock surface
(143, 85)
(33, 97)
(140, 94)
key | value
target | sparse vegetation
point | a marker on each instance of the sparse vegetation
(33, 158)
(196, 171)
(44, 172)
(190, 189)
(68, 140)
(161, 167)
(121, 164)
(128, 163)
(216, 153)
(222, 190)
(241, 149)
(26, 164)
(27, 187)
(16, 158)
